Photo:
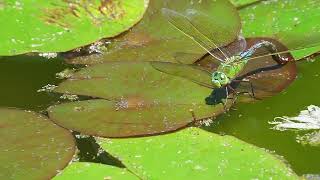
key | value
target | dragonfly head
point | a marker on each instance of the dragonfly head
(219, 79)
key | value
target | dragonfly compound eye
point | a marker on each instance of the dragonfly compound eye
(219, 79)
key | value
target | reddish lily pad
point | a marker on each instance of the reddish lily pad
(142, 101)
(107, 119)
(154, 39)
(32, 147)
(268, 78)
(265, 74)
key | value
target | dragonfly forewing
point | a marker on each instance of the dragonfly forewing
(183, 24)
(193, 73)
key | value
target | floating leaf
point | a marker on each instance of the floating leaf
(195, 154)
(84, 170)
(31, 146)
(154, 39)
(291, 22)
(62, 25)
(109, 119)
(243, 3)
(307, 120)
(143, 101)
(157, 50)
(312, 138)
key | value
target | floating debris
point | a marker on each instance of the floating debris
(67, 73)
(48, 55)
(312, 139)
(311, 176)
(47, 88)
(98, 47)
(307, 120)
(70, 97)
(205, 122)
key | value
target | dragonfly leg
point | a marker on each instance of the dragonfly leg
(270, 47)
(252, 91)
(229, 87)
(251, 94)
(225, 103)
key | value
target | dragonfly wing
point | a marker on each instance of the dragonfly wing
(191, 72)
(236, 47)
(183, 24)
(187, 58)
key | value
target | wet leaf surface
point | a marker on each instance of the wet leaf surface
(290, 22)
(195, 154)
(142, 101)
(243, 3)
(105, 118)
(83, 170)
(55, 26)
(154, 39)
(32, 147)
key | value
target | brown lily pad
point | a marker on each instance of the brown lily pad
(266, 75)
(32, 147)
(142, 101)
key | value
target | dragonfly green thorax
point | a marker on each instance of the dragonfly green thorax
(228, 70)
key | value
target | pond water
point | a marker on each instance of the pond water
(249, 122)
(22, 76)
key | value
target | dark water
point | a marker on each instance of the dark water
(249, 122)
(22, 76)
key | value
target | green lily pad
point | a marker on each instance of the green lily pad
(83, 170)
(154, 39)
(291, 22)
(243, 3)
(142, 100)
(32, 147)
(62, 25)
(196, 154)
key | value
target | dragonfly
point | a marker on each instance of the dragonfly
(231, 60)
